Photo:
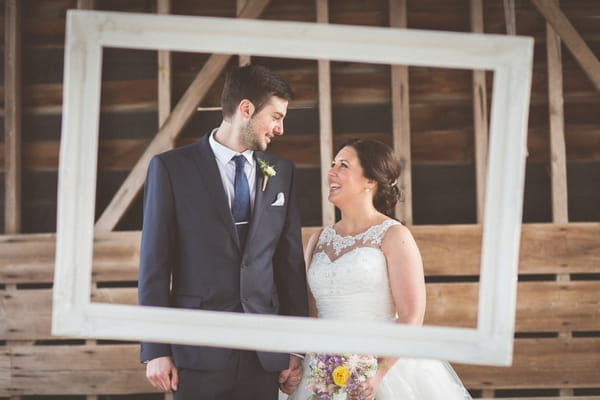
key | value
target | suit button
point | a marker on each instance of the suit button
(244, 265)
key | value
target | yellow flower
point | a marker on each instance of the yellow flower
(340, 375)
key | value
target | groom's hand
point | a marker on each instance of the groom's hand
(162, 374)
(289, 379)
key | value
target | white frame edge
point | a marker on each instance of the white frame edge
(509, 57)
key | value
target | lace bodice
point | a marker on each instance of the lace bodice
(348, 275)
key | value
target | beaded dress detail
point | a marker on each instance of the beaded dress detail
(348, 279)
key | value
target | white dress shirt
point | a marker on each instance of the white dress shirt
(224, 156)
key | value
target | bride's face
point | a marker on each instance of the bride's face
(346, 180)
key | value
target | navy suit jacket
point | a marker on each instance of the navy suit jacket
(189, 239)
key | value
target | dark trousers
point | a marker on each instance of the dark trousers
(242, 379)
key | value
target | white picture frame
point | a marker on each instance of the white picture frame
(510, 59)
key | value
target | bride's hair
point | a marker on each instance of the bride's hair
(381, 165)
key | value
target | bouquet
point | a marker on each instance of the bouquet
(339, 376)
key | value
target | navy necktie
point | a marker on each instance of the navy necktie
(240, 209)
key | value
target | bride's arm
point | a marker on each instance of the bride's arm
(405, 272)
(308, 252)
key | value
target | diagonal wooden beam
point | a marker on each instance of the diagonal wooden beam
(12, 117)
(563, 27)
(171, 129)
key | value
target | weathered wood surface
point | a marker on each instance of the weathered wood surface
(171, 129)
(12, 118)
(451, 146)
(352, 83)
(114, 369)
(75, 369)
(541, 307)
(540, 363)
(446, 250)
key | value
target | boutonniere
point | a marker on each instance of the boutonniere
(267, 170)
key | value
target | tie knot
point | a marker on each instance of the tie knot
(240, 160)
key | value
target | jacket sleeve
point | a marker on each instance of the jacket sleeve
(288, 263)
(157, 252)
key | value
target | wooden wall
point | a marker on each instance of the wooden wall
(557, 345)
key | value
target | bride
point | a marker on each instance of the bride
(367, 266)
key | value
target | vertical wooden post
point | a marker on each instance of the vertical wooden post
(480, 115)
(401, 119)
(12, 117)
(558, 159)
(243, 59)
(510, 17)
(164, 71)
(86, 4)
(325, 122)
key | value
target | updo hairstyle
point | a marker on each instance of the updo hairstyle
(381, 165)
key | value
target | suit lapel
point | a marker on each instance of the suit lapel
(260, 198)
(209, 171)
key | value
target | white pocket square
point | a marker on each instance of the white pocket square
(280, 201)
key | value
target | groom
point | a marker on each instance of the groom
(221, 232)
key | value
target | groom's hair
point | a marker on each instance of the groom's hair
(255, 83)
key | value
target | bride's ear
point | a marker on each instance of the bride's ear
(371, 184)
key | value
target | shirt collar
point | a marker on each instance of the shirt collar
(224, 154)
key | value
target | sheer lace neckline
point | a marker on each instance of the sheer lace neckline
(362, 233)
(335, 245)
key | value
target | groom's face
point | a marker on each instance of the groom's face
(264, 125)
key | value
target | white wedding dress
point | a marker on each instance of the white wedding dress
(348, 279)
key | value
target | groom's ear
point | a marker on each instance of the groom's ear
(246, 108)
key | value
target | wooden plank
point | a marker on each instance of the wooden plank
(28, 314)
(12, 117)
(558, 159)
(435, 147)
(574, 42)
(113, 369)
(169, 131)
(541, 306)
(164, 72)
(447, 250)
(5, 370)
(103, 369)
(325, 123)
(30, 258)
(541, 363)
(401, 119)
(29, 311)
(3, 323)
(480, 115)
(352, 84)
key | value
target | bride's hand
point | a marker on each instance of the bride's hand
(370, 386)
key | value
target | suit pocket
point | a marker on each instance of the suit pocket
(185, 301)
